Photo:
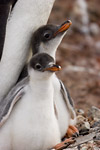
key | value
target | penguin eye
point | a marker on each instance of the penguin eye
(47, 35)
(38, 66)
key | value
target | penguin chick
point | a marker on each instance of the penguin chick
(47, 39)
(32, 122)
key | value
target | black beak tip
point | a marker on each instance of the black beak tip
(67, 21)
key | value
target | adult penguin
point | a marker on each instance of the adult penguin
(25, 18)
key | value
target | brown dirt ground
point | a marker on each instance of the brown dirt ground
(78, 56)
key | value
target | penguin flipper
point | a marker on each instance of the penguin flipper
(72, 130)
(7, 104)
(68, 100)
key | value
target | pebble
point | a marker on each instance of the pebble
(93, 113)
(84, 148)
(79, 112)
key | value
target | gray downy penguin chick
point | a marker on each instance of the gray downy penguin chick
(47, 39)
(32, 122)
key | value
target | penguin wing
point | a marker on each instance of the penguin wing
(7, 104)
(5, 9)
(68, 100)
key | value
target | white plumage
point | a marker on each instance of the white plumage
(32, 124)
(26, 17)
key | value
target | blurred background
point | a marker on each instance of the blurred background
(79, 52)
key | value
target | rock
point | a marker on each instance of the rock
(93, 113)
(79, 112)
(97, 138)
(80, 119)
(96, 124)
(82, 125)
(84, 148)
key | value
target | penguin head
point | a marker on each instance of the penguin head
(42, 65)
(48, 37)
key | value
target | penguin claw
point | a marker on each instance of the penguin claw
(72, 131)
(64, 144)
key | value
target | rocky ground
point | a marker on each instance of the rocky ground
(88, 124)
(79, 54)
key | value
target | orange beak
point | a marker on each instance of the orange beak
(53, 68)
(63, 27)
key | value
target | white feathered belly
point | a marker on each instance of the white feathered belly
(63, 115)
(30, 128)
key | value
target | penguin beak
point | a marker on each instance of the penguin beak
(63, 27)
(53, 68)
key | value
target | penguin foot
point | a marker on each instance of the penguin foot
(72, 131)
(63, 144)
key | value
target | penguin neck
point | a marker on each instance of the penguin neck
(43, 49)
(40, 93)
(42, 87)
(23, 21)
